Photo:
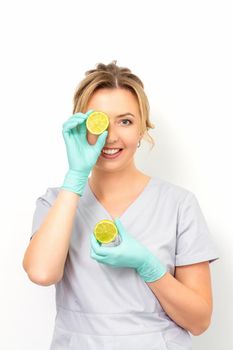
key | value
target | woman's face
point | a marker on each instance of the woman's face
(122, 108)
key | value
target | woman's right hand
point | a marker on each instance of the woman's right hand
(81, 155)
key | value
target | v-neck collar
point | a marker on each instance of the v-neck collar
(136, 203)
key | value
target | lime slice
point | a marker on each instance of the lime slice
(105, 231)
(97, 122)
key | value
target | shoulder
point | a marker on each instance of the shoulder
(170, 191)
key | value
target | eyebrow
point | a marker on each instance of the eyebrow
(124, 114)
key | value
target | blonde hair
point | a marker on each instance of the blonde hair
(112, 76)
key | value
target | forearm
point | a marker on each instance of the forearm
(183, 305)
(45, 256)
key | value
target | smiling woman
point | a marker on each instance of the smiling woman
(153, 289)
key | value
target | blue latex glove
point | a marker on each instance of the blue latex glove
(81, 155)
(129, 253)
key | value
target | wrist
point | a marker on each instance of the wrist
(75, 181)
(151, 269)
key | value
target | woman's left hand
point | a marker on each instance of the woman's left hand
(129, 253)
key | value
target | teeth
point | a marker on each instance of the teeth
(111, 151)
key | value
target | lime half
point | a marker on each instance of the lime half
(97, 122)
(105, 231)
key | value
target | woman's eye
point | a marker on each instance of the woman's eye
(127, 120)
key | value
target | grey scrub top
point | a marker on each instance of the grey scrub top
(104, 308)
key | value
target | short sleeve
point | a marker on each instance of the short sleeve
(43, 204)
(194, 243)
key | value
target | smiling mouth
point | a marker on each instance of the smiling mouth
(111, 150)
(111, 153)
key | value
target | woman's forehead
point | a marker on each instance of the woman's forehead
(114, 101)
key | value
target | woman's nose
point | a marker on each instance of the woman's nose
(112, 135)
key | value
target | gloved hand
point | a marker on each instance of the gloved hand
(81, 155)
(129, 253)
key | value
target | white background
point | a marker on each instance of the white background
(182, 50)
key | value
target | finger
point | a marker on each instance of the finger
(120, 227)
(93, 255)
(95, 245)
(82, 129)
(73, 121)
(82, 115)
(97, 257)
(101, 140)
(98, 249)
(89, 112)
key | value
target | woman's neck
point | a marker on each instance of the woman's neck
(115, 184)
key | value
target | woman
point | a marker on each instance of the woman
(152, 290)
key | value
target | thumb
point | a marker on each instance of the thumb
(120, 228)
(101, 140)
